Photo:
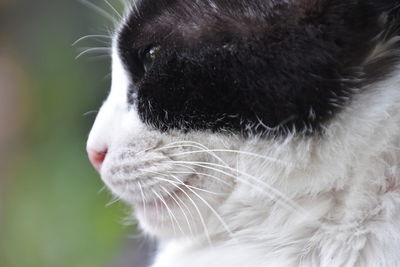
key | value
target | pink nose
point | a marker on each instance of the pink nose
(96, 157)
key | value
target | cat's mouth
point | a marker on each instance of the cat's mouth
(168, 186)
(154, 176)
(171, 200)
(154, 184)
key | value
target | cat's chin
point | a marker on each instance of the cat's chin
(166, 219)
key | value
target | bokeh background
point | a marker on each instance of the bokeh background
(53, 211)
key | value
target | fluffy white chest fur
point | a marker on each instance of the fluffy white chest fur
(231, 157)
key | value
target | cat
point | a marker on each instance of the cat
(260, 133)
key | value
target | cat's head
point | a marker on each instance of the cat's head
(222, 105)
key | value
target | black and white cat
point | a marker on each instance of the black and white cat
(260, 133)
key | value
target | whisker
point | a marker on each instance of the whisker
(108, 76)
(125, 4)
(231, 151)
(95, 50)
(202, 199)
(114, 200)
(193, 187)
(165, 180)
(102, 189)
(208, 164)
(143, 198)
(207, 204)
(180, 207)
(98, 10)
(198, 145)
(113, 8)
(206, 191)
(172, 216)
(184, 204)
(118, 198)
(198, 212)
(90, 113)
(158, 214)
(90, 37)
(274, 194)
(202, 174)
(134, 7)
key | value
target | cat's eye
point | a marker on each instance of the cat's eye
(149, 57)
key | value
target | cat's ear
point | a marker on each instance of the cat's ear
(327, 10)
(362, 30)
(359, 20)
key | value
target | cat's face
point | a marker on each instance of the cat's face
(221, 104)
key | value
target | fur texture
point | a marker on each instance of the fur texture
(265, 133)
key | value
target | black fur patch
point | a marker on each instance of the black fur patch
(255, 66)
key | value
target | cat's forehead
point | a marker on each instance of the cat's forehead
(189, 21)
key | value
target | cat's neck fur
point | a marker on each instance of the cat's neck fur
(347, 188)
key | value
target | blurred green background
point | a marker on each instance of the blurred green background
(52, 209)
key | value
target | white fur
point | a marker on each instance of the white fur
(317, 201)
